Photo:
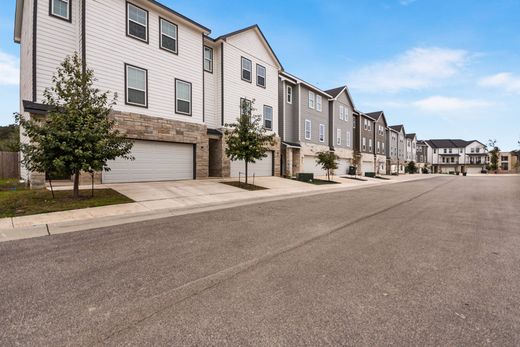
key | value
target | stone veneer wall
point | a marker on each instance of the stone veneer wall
(141, 127)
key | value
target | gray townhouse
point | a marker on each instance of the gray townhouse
(304, 125)
(392, 145)
(380, 141)
(401, 148)
(422, 154)
(411, 147)
(363, 128)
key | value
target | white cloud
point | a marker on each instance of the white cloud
(438, 103)
(415, 69)
(9, 71)
(504, 80)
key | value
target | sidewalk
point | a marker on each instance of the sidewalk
(163, 199)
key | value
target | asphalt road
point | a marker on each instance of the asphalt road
(429, 262)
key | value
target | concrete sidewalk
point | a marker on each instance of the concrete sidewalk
(162, 199)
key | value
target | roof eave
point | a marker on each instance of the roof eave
(204, 29)
(18, 21)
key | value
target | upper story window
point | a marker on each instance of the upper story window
(60, 9)
(183, 97)
(450, 151)
(365, 124)
(318, 103)
(369, 125)
(136, 86)
(311, 100)
(338, 137)
(268, 117)
(345, 113)
(383, 147)
(378, 147)
(260, 75)
(322, 132)
(137, 22)
(472, 150)
(247, 67)
(354, 123)
(341, 112)
(208, 59)
(168, 37)
(289, 94)
(434, 151)
(349, 139)
(478, 150)
(364, 143)
(370, 145)
(307, 129)
(445, 151)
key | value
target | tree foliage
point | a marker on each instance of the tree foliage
(494, 153)
(77, 134)
(247, 139)
(9, 138)
(328, 160)
(411, 167)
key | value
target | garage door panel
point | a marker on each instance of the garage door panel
(260, 168)
(310, 166)
(342, 169)
(154, 161)
(367, 166)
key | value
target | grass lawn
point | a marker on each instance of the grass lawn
(10, 184)
(318, 182)
(244, 186)
(25, 202)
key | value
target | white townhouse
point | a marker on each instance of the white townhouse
(176, 86)
(457, 155)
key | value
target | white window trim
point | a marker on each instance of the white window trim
(67, 18)
(349, 139)
(271, 108)
(338, 137)
(242, 59)
(258, 68)
(364, 143)
(208, 59)
(345, 113)
(145, 90)
(128, 4)
(318, 103)
(161, 33)
(310, 129)
(312, 98)
(322, 133)
(341, 112)
(289, 95)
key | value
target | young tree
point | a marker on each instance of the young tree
(494, 155)
(77, 134)
(328, 161)
(9, 138)
(247, 139)
(411, 167)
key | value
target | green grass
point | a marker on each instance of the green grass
(10, 184)
(26, 202)
(318, 182)
(244, 186)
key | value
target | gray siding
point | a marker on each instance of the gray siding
(316, 118)
(392, 145)
(344, 126)
(368, 134)
(380, 138)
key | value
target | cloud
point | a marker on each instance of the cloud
(415, 69)
(503, 80)
(9, 71)
(444, 103)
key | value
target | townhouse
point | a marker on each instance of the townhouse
(457, 156)
(363, 128)
(177, 86)
(380, 141)
(411, 147)
(400, 158)
(509, 162)
(422, 154)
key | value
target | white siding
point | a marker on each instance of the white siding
(235, 88)
(108, 49)
(250, 42)
(212, 91)
(56, 39)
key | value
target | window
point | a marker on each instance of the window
(450, 151)
(307, 129)
(168, 39)
(311, 100)
(183, 97)
(383, 147)
(137, 22)
(452, 159)
(365, 124)
(289, 94)
(378, 147)
(370, 145)
(341, 117)
(208, 59)
(60, 9)
(364, 143)
(245, 106)
(478, 150)
(445, 151)
(322, 133)
(318, 103)
(246, 69)
(349, 139)
(369, 125)
(268, 117)
(136, 80)
(260, 75)
(345, 113)
(338, 136)
(434, 151)
(354, 123)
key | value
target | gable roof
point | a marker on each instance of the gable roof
(447, 143)
(335, 92)
(397, 128)
(410, 135)
(298, 80)
(256, 28)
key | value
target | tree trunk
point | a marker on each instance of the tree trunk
(52, 189)
(75, 192)
(247, 163)
(92, 174)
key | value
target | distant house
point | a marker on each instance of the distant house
(455, 155)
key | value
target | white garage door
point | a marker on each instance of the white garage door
(367, 166)
(154, 161)
(473, 170)
(343, 165)
(310, 166)
(263, 167)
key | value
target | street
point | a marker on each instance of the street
(428, 262)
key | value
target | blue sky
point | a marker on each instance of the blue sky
(445, 69)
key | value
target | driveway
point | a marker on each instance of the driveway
(429, 262)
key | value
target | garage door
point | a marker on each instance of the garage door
(473, 170)
(154, 161)
(367, 166)
(310, 166)
(343, 165)
(263, 167)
